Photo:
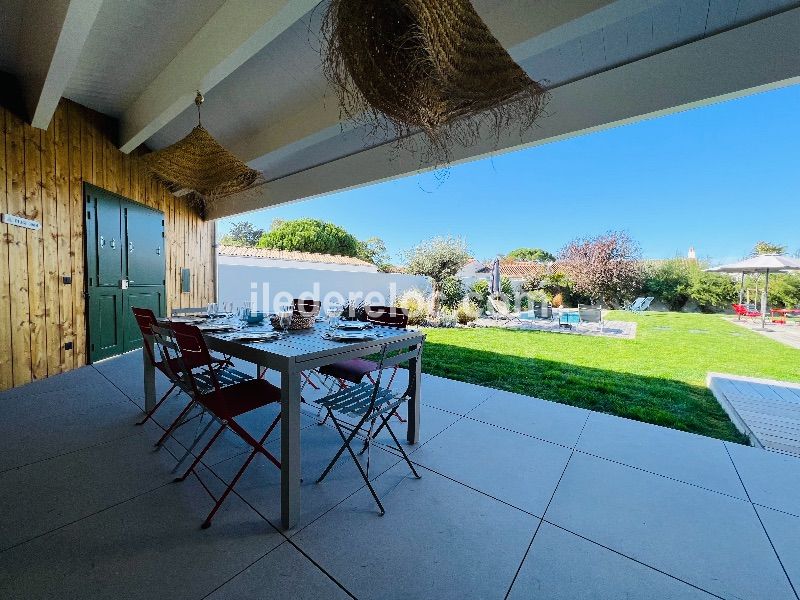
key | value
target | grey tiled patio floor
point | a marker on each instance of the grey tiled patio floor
(519, 498)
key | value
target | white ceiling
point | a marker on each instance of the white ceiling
(268, 99)
(129, 44)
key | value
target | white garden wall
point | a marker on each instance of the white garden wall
(269, 286)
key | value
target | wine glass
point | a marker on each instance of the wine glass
(212, 310)
(285, 317)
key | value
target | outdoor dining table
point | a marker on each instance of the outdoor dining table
(294, 353)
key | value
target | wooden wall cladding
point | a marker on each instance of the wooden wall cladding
(41, 178)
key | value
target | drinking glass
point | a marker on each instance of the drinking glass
(332, 312)
(212, 309)
(285, 317)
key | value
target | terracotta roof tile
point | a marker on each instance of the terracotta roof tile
(271, 253)
(521, 269)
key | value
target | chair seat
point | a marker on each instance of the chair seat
(176, 365)
(240, 398)
(355, 400)
(353, 370)
(225, 377)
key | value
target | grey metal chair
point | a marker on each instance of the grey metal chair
(591, 314)
(368, 402)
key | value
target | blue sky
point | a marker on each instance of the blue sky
(718, 178)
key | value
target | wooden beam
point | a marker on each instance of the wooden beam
(235, 33)
(56, 32)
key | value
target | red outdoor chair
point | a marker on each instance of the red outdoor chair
(742, 311)
(225, 403)
(169, 366)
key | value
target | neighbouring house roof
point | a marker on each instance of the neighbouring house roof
(270, 253)
(519, 269)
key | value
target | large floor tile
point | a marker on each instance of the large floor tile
(684, 456)
(710, 540)
(438, 539)
(550, 421)
(512, 467)
(260, 485)
(563, 566)
(49, 494)
(62, 432)
(283, 574)
(149, 547)
(771, 479)
(784, 531)
(446, 394)
(67, 393)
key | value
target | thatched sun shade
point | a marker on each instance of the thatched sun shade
(199, 163)
(408, 65)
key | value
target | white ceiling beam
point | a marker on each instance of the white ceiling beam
(756, 57)
(51, 41)
(556, 23)
(235, 33)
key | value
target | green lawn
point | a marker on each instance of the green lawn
(658, 378)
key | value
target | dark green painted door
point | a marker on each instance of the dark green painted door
(125, 268)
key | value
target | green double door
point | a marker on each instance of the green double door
(125, 267)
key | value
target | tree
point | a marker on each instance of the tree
(242, 233)
(310, 235)
(452, 292)
(530, 255)
(670, 281)
(763, 247)
(711, 291)
(374, 250)
(437, 258)
(605, 268)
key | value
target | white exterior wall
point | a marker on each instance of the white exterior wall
(269, 285)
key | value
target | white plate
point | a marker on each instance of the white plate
(353, 326)
(254, 336)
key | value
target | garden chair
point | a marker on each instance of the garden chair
(646, 304)
(161, 360)
(742, 311)
(634, 306)
(591, 314)
(369, 403)
(225, 402)
(502, 311)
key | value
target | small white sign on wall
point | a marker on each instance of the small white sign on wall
(19, 221)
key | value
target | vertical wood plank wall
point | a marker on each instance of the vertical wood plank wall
(41, 178)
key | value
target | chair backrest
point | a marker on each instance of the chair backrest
(636, 303)
(499, 306)
(739, 309)
(393, 354)
(388, 316)
(646, 304)
(146, 320)
(590, 314)
(193, 354)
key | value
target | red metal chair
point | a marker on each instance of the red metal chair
(169, 366)
(225, 403)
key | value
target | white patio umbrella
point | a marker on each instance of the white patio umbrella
(762, 263)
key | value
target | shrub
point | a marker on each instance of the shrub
(558, 300)
(446, 318)
(670, 282)
(452, 292)
(466, 312)
(417, 305)
(479, 292)
(784, 290)
(711, 291)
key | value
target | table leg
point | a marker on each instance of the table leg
(415, 372)
(290, 447)
(149, 376)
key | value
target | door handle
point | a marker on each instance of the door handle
(102, 242)
(113, 243)
(130, 247)
(158, 250)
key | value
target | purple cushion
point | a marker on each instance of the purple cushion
(353, 370)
